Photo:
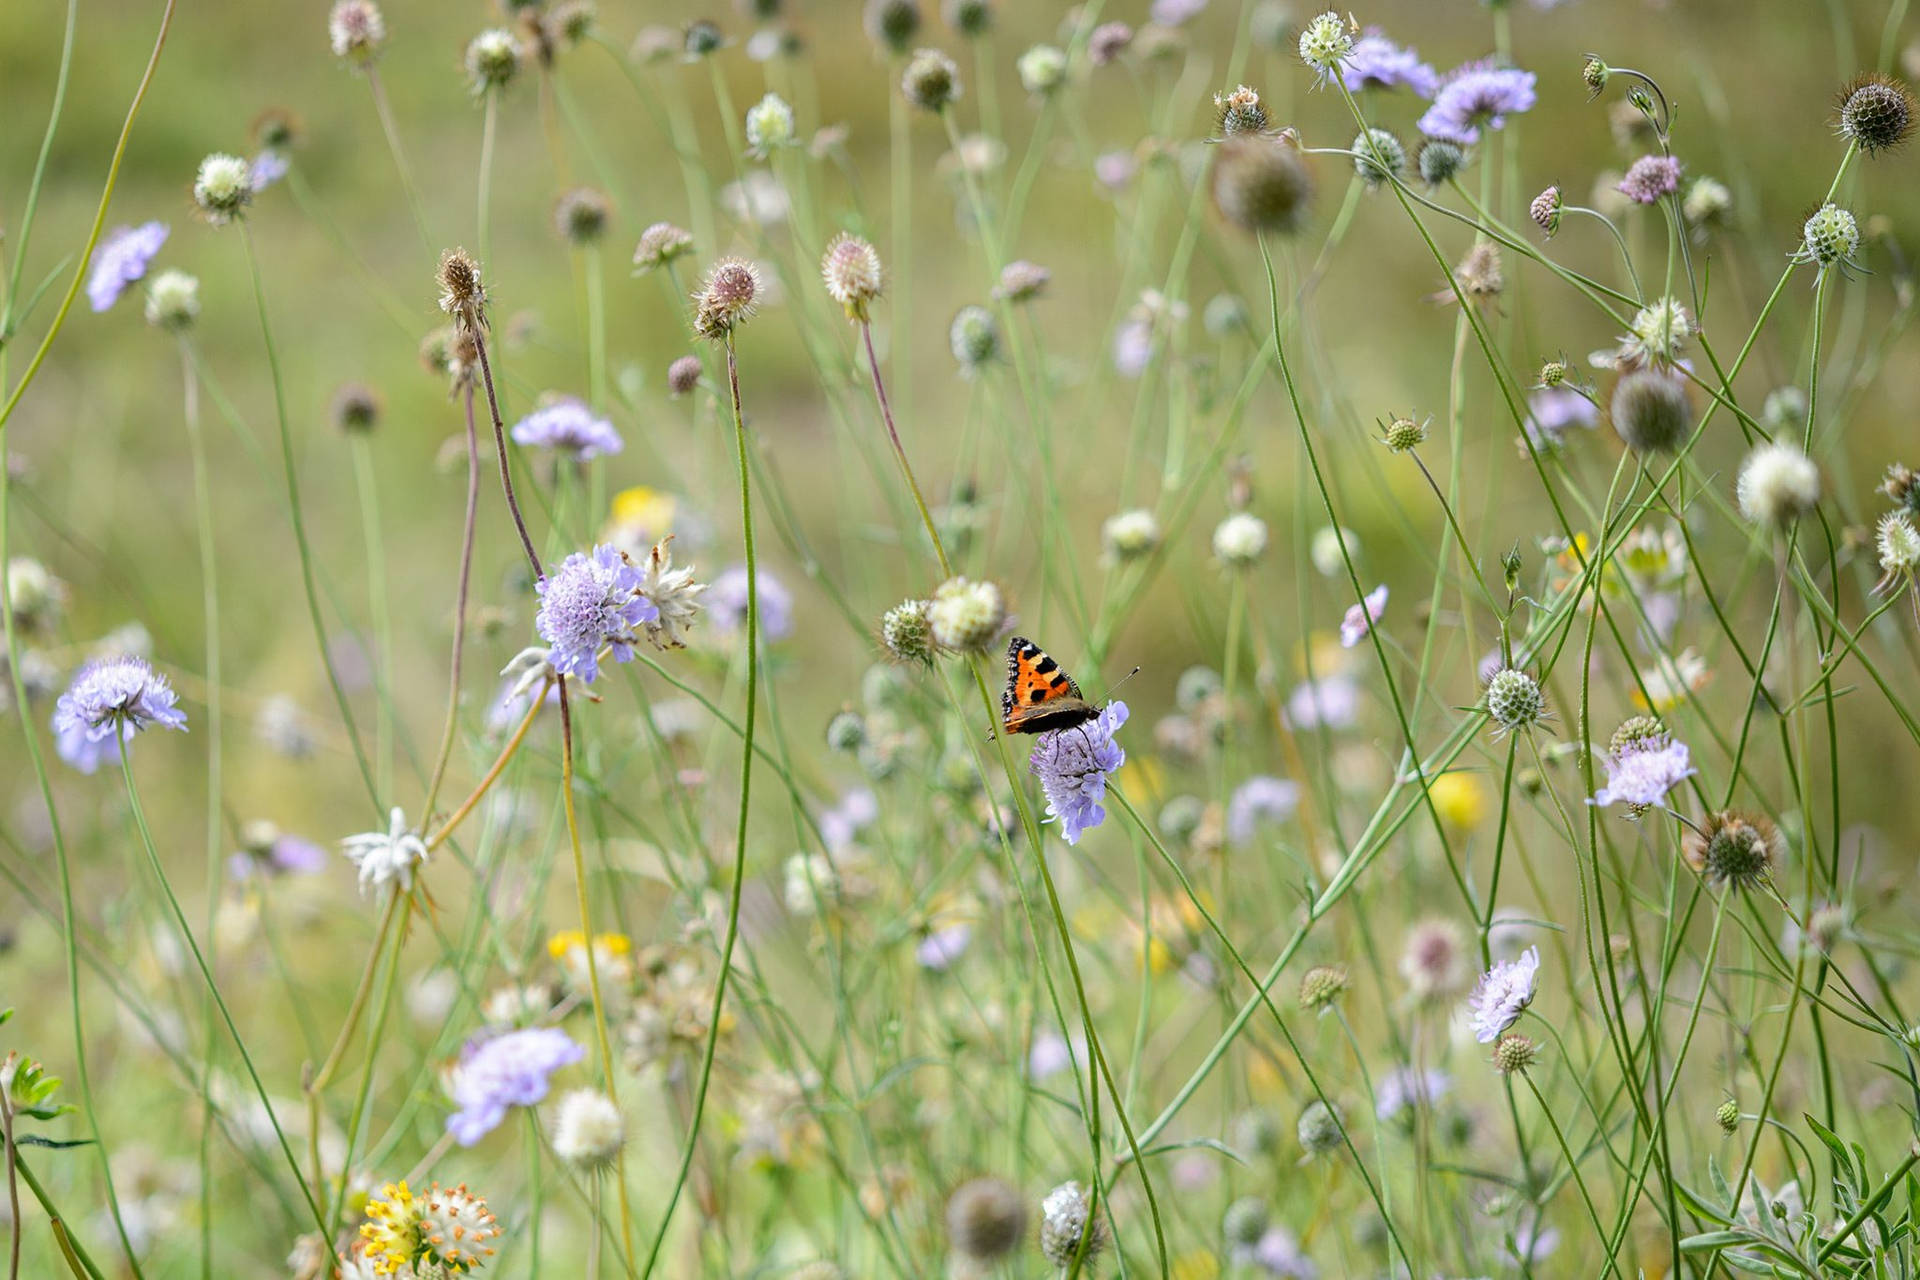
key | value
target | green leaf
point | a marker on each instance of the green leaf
(56, 1144)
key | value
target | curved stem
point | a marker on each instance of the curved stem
(899, 452)
(459, 615)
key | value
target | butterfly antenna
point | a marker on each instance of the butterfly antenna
(1108, 695)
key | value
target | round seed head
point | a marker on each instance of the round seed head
(892, 24)
(966, 615)
(1325, 43)
(1831, 234)
(1225, 314)
(355, 409)
(1514, 699)
(974, 336)
(173, 300)
(1130, 535)
(1778, 484)
(968, 17)
(1876, 113)
(1065, 1216)
(1650, 411)
(660, 244)
(1378, 157)
(1545, 211)
(1240, 539)
(222, 188)
(730, 295)
(1319, 1129)
(1514, 1053)
(986, 1219)
(1825, 924)
(581, 215)
(1262, 184)
(1553, 373)
(847, 731)
(1043, 68)
(850, 268)
(683, 376)
(1404, 434)
(1734, 849)
(1727, 1116)
(588, 1130)
(1596, 74)
(1897, 542)
(573, 21)
(1438, 160)
(1259, 1131)
(907, 631)
(931, 80)
(1322, 985)
(493, 60)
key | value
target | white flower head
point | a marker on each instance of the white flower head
(386, 857)
(1503, 994)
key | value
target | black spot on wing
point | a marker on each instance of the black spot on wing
(1045, 665)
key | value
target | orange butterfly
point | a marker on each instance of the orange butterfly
(1040, 696)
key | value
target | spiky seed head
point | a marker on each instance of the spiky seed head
(661, 243)
(1319, 1128)
(357, 32)
(1107, 42)
(462, 293)
(1325, 43)
(931, 80)
(1876, 112)
(1514, 700)
(1596, 74)
(580, 216)
(1514, 1053)
(730, 296)
(1727, 1116)
(1239, 112)
(1262, 184)
(974, 337)
(1660, 330)
(683, 376)
(1830, 235)
(847, 731)
(892, 24)
(222, 188)
(986, 1219)
(1378, 156)
(1322, 985)
(699, 38)
(493, 60)
(851, 271)
(1545, 211)
(968, 17)
(1778, 484)
(1553, 373)
(1065, 1216)
(1245, 1222)
(1650, 411)
(1736, 849)
(1404, 434)
(1896, 540)
(1438, 160)
(355, 409)
(907, 631)
(173, 300)
(966, 614)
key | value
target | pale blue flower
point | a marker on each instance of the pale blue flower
(121, 259)
(1361, 617)
(1644, 772)
(727, 603)
(510, 1070)
(267, 168)
(1477, 96)
(1503, 995)
(108, 702)
(1378, 63)
(590, 603)
(568, 426)
(1405, 1087)
(1073, 766)
(1273, 799)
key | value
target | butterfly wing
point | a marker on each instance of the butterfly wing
(1039, 695)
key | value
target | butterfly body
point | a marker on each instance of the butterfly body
(1040, 697)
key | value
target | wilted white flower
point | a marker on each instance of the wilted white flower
(387, 857)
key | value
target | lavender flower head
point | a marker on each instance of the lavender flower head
(1378, 63)
(108, 702)
(1278, 1254)
(1073, 766)
(1476, 96)
(1503, 994)
(728, 603)
(510, 1070)
(1361, 617)
(1649, 178)
(268, 851)
(123, 257)
(267, 168)
(1406, 1087)
(1551, 410)
(1259, 797)
(1642, 771)
(568, 426)
(588, 603)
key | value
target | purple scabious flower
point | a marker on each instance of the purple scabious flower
(842, 824)
(1361, 617)
(942, 948)
(1551, 410)
(1378, 63)
(1503, 994)
(588, 603)
(1477, 96)
(1405, 1087)
(568, 426)
(1643, 772)
(280, 855)
(267, 168)
(727, 603)
(122, 258)
(509, 1070)
(1052, 1053)
(1174, 13)
(1330, 702)
(1073, 766)
(1257, 798)
(1649, 178)
(108, 702)
(1278, 1254)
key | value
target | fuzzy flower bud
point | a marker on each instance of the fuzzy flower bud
(700, 39)
(1876, 113)
(931, 80)
(355, 409)
(1239, 540)
(1706, 202)
(1245, 1222)
(1404, 434)
(1438, 160)
(1022, 281)
(1778, 484)
(986, 1219)
(1514, 1053)
(975, 338)
(1319, 1129)
(729, 296)
(968, 17)
(1596, 74)
(493, 60)
(580, 215)
(965, 615)
(1545, 211)
(1514, 700)
(1043, 69)
(1727, 1116)
(1322, 985)
(907, 631)
(173, 300)
(1898, 543)
(851, 270)
(769, 126)
(846, 732)
(1831, 235)
(1130, 535)
(660, 244)
(1379, 157)
(587, 1130)
(1107, 42)
(1066, 1215)
(1262, 184)
(1650, 411)
(222, 188)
